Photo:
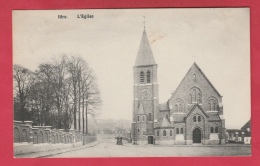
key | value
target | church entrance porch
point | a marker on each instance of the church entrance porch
(196, 136)
(150, 139)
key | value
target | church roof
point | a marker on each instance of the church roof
(194, 106)
(165, 123)
(140, 109)
(214, 117)
(163, 106)
(178, 118)
(145, 54)
(196, 66)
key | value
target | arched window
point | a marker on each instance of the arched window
(194, 95)
(216, 129)
(194, 119)
(190, 98)
(176, 107)
(180, 110)
(138, 118)
(181, 130)
(138, 130)
(143, 118)
(148, 77)
(142, 77)
(199, 118)
(158, 133)
(209, 107)
(150, 117)
(199, 98)
(212, 104)
(177, 131)
(214, 107)
(211, 130)
(170, 132)
(164, 133)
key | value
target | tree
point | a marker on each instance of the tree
(46, 89)
(61, 88)
(84, 91)
(73, 67)
(92, 98)
(22, 79)
(56, 93)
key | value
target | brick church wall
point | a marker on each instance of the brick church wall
(189, 82)
(164, 140)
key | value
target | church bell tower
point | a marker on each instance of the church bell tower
(145, 105)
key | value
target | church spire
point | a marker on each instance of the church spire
(144, 22)
(145, 54)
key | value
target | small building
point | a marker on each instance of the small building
(242, 135)
(246, 132)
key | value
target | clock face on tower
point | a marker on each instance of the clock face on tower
(145, 93)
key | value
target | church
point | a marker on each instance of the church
(192, 115)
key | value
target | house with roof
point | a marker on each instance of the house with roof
(242, 135)
(192, 115)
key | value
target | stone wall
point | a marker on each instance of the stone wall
(25, 132)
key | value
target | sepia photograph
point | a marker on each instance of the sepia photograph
(165, 82)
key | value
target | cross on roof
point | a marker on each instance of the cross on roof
(144, 21)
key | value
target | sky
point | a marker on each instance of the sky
(217, 39)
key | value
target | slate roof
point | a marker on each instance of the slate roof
(247, 125)
(244, 129)
(165, 123)
(214, 117)
(178, 118)
(163, 106)
(193, 107)
(145, 54)
(246, 133)
(233, 131)
(181, 117)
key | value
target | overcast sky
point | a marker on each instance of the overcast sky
(217, 39)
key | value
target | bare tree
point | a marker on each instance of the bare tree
(46, 89)
(56, 93)
(73, 67)
(92, 98)
(23, 79)
(60, 87)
